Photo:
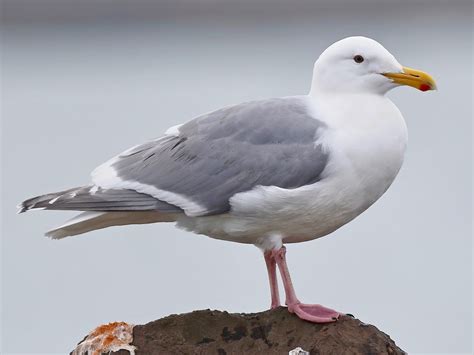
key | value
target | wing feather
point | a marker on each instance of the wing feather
(206, 161)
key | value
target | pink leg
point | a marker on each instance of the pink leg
(271, 268)
(311, 312)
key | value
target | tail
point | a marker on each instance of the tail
(90, 221)
(103, 208)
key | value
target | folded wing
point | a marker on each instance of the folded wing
(203, 163)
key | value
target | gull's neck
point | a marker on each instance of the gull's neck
(318, 91)
(343, 97)
(350, 109)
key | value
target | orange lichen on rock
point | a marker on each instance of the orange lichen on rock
(105, 338)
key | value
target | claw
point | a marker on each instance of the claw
(311, 312)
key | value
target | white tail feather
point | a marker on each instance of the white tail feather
(89, 221)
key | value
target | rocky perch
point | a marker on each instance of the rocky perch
(270, 332)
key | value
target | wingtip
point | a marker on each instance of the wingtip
(21, 208)
(24, 208)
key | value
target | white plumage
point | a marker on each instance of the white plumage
(362, 132)
(367, 149)
(266, 172)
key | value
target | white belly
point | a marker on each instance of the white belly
(364, 159)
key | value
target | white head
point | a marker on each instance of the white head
(362, 65)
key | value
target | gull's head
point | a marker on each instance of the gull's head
(362, 65)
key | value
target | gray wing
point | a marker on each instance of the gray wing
(94, 198)
(211, 158)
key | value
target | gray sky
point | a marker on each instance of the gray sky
(82, 82)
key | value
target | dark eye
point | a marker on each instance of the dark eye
(358, 59)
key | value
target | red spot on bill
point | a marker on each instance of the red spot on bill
(425, 87)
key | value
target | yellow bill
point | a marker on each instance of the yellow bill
(414, 78)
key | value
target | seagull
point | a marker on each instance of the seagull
(267, 172)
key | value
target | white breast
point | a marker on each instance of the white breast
(366, 139)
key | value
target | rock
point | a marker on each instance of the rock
(270, 332)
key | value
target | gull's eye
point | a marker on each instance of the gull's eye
(358, 59)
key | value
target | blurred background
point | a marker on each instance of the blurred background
(84, 80)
